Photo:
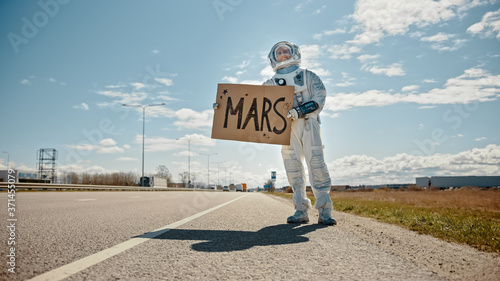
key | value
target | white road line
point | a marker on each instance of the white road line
(79, 265)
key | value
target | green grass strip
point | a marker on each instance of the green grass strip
(480, 230)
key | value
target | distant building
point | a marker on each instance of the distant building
(20, 176)
(444, 182)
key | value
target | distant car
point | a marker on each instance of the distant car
(239, 187)
(225, 188)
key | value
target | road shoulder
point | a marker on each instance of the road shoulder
(449, 260)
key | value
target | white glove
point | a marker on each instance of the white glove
(215, 105)
(293, 113)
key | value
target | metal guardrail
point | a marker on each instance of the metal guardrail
(47, 186)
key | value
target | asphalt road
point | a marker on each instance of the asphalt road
(185, 236)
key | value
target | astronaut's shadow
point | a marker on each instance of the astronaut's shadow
(231, 240)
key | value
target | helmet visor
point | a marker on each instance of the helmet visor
(282, 53)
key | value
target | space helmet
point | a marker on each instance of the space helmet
(284, 49)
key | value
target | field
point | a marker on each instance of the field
(469, 216)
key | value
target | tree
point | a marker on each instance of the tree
(269, 182)
(163, 172)
(183, 177)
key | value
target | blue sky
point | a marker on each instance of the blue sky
(413, 86)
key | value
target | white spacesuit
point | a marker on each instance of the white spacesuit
(305, 139)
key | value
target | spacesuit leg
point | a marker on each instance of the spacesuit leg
(293, 160)
(318, 171)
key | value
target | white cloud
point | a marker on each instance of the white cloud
(475, 85)
(97, 169)
(52, 80)
(230, 79)
(440, 37)
(426, 107)
(79, 168)
(370, 64)
(107, 142)
(166, 144)
(105, 146)
(365, 58)
(251, 82)
(311, 59)
(488, 26)
(267, 72)
(243, 64)
(185, 153)
(84, 147)
(155, 52)
(25, 82)
(343, 101)
(377, 18)
(121, 97)
(166, 98)
(480, 139)
(345, 51)
(394, 69)
(112, 94)
(347, 80)
(157, 111)
(410, 88)
(126, 159)
(188, 118)
(137, 85)
(301, 6)
(164, 81)
(133, 98)
(319, 36)
(400, 168)
(110, 149)
(82, 106)
(444, 42)
(318, 11)
(453, 45)
(114, 86)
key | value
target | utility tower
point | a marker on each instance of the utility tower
(47, 164)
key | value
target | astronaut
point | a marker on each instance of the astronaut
(305, 139)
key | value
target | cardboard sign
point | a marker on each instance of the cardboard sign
(253, 113)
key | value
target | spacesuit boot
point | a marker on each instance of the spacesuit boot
(325, 208)
(301, 215)
(325, 217)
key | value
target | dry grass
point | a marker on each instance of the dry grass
(463, 216)
(473, 200)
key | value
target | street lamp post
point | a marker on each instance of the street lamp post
(218, 168)
(208, 169)
(8, 159)
(143, 129)
(189, 159)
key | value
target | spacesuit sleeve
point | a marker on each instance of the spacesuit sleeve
(317, 89)
(269, 82)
